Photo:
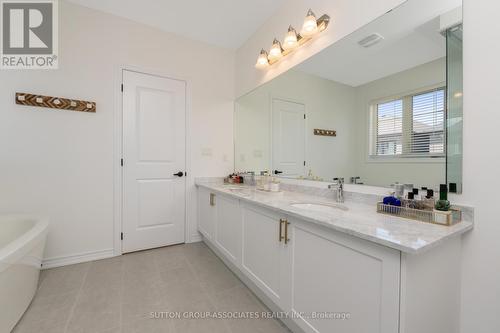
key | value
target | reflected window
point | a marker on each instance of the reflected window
(410, 126)
(390, 128)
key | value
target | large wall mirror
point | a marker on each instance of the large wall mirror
(380, 106)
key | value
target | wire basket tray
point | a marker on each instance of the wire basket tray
(429, 216)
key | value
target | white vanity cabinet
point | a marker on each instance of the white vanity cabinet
(228, 228)
(309, 270)
(206, 213)
(266, 259)
(339, 275)
(219, 221)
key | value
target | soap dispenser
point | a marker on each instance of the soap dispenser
(443, 204)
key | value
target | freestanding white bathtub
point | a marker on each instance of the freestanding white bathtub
(22, 241)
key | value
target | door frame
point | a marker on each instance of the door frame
(272, 98)
(118, 154)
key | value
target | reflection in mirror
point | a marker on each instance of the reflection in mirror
(372, 108)
(455, 107)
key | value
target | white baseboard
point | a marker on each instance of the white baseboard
(196, 237)
(77, 258)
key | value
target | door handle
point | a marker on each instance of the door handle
(179, 174)
(277, 172)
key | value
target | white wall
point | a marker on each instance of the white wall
(420, 172)
(60, 163)
(481, 248)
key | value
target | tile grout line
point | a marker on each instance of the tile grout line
(77, 298)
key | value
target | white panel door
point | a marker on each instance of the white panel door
(288, 138)
(154, 148)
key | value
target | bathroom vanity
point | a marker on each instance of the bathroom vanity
(309, 256)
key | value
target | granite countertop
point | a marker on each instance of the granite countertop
(359, 220)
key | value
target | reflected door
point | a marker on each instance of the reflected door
(288, 138)
(154, 161)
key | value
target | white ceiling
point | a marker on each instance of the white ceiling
(409, 41)
(226, 23)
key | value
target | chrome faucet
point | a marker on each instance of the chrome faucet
(338, 186)
(356, 180)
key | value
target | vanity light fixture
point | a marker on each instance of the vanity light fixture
(310, 26)
(290, 42)
(293, 40)
(276, 51)
(262, 61)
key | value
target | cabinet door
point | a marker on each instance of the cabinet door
(336, 273)
(265, 256)
(228, 228)
(206, 213)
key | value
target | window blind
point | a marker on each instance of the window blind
(390, 128)
(412, 125)
(427, 133)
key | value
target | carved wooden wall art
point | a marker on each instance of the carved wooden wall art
(55, 102)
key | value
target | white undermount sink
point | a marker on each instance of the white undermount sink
(321, 208)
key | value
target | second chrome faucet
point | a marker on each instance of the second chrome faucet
(338, 186)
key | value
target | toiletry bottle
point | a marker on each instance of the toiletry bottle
(429, 201)
(267, 181)
(407, 188)
(410, 201)
(260, 180)
(399, 190)
(275, 185)
(443, 204)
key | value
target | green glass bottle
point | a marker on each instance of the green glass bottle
(443, 204)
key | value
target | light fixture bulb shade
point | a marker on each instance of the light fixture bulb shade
(290, 42)
(310, 26)
(262, 61)
(275, 52)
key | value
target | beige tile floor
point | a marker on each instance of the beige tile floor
(119, 294)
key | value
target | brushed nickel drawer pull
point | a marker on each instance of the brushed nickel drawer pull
(212, 199)
(286, 231)
(281, 227)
